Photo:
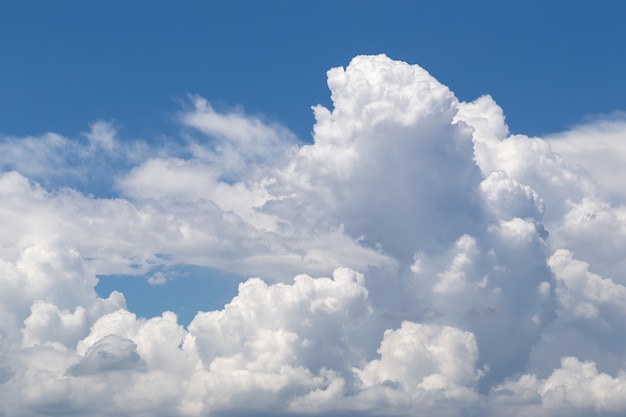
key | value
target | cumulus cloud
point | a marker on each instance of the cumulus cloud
(387, 162)
(421, 365)
(599, 148)
(111, 353)
(415, 259)
(574, 389)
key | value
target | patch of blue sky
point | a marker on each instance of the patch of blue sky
(182, 289)
(75, 62)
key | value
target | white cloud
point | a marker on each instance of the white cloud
(89, 162)
(581, 293)
(574, 389)
(599, 148)
(387, 162)
(158, 278)
(509, 199)
(591, 311)
(483, 259)
(38, 157)
(239, 141)
(111, 353)
(426, 357)
(102, 135)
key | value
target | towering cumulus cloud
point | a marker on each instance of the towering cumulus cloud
(415, 259)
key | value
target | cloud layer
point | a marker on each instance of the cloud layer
(415, 259)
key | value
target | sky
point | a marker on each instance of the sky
(323, 208)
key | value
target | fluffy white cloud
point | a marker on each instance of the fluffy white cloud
(387, 162)
(574, 389)
(598, 147)
(581, 293)
(111, 353)
(490, 266)
(422, 364)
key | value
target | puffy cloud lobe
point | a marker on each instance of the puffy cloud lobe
(423, 357)
(48, 324)
(581, 293)
(574, 389)
(307, 323)
(52, 293)
(485, 253)
(422, 369)
(595, 231)
(489, 287)
(509, 199)
(529, 161)
(591, 312)
(387, 161)
(580, 216)
(111, 353)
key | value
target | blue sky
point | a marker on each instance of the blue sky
(350, 207)
(70, 63)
